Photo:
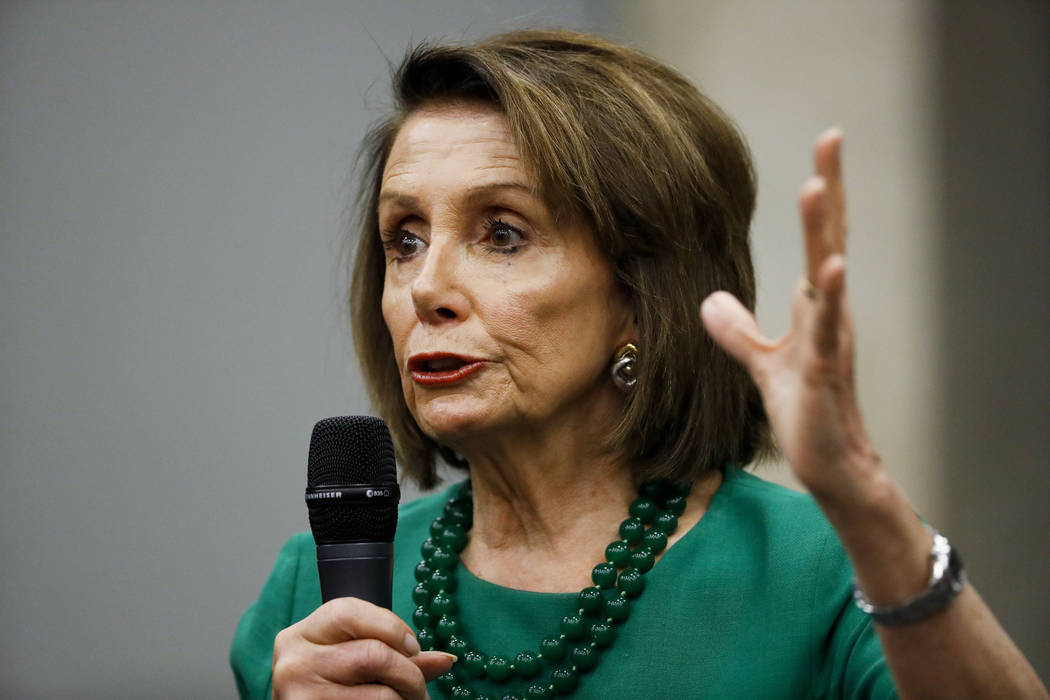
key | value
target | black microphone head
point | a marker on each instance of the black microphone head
(352, 451)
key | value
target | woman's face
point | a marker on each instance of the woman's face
(501, 318)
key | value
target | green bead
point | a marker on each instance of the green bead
(539, 692)
(499, 669)
(603, 634)
(666, 522)
(475, 662)
(443, 604)
(422, 618)
(643, 508)
(458, 646)
(527, 664)
(428, 547)
(604, 575)
(446, 627)
(444, 558)
(448, 681)
(459, 515)
(675, 504)
(631, 530)
(643, 559)
(653, 490)
(631, 582)
(681, 488)
(511, 697)
(454, 537)
(617, 553)
(655, 540)
(590, 599)
(572, 626)
(483, 696)
(617, 608)
(442, 580)
(564, 680)
(426, 639)
(423, 572)
(584, 658)
(462, 691)
(420, 595)
(437, 527)
(552, 648)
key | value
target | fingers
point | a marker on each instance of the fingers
(811, 210)
(350, 643)
(734, 328)
(368, 661)
(433, 663)
(822, 204)
(342, 619)
(827, 160)
(831, 283)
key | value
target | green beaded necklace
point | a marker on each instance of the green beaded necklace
(581, 636)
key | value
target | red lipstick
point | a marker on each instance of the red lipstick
(442, 368)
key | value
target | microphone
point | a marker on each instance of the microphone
(352, 497)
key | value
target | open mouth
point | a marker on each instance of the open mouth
(442, 368)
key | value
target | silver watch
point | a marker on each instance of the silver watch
(946, 580)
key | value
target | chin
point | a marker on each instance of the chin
(450, 419)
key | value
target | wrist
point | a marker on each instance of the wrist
(861, 486)
(947, 579)
(886, 542)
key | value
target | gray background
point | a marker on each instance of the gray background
(174, 177)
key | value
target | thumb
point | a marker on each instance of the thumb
(433, 663)
(733, 327)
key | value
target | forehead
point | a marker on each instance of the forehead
(452, 136)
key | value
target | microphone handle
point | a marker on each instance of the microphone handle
(357, 569)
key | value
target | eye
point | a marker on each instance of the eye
(502, 237)
(403, 244)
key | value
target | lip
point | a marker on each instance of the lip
(421, 375)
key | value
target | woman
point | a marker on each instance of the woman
(542, 216)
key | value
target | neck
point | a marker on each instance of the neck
(543, 517)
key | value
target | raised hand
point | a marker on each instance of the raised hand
(806, 377)
(806, 380)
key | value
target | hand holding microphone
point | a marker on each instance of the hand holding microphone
(353, 639)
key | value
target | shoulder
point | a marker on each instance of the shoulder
(763, 541)
(772, 513)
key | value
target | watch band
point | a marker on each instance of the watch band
(946, 580)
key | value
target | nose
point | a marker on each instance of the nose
(437, 291)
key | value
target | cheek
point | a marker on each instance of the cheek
(565, 330)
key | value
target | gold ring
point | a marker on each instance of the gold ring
(809, 289)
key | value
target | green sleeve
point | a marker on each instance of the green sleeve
(853, 663)
(288, 595)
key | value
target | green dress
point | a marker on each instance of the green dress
(753, 602)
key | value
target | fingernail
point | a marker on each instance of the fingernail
(451, 656)
(411, 645)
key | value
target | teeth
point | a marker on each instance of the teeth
(443, 364)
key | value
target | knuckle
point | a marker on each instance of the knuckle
(288, 669)
(283, 639)
(372, 657)
(342, 607)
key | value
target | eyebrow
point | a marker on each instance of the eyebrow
(474, 194)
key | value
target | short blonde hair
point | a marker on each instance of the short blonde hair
(665, 181)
